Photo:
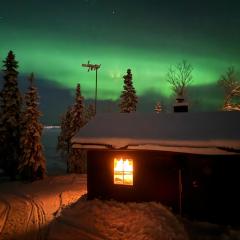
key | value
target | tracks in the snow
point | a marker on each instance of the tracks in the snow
(33, 221)
(4, 213)
(26, 210)
(36, 219)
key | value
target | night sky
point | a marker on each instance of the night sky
(53, 38)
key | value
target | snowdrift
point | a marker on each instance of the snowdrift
(96, 219)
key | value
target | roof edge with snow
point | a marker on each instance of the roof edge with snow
(202, 133)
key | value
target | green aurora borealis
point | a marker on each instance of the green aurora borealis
(54, 39)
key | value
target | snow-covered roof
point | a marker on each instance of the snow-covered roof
(202, 132)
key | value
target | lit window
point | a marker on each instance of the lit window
(123, 171)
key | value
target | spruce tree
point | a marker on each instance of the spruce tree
(32, 164)
(77, 112)
(89, 113)
(10, 104)
(64, 138)
(71, 122)
(128, 98)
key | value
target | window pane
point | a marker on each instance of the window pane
(118, 178)
(128, 179)
(123, 171)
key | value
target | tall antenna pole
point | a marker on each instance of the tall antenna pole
(93, 67)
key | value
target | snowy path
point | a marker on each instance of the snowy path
(27, 209)
(21, 215)
(5, 208)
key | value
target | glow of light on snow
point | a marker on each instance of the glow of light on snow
(26, 209)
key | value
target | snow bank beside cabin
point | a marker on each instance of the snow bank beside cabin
(96, 219)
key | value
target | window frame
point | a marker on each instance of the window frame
(123, 174)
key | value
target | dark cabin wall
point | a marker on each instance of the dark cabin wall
(210, 184)
(155, 177)
(211, 188)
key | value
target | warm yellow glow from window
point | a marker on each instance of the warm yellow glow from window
(123, 171)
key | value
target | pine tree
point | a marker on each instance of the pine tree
(89, 113)
(158, 108)
(32, 164)
(11, 102)
(77, 112)
(128, 96)
(71, 122)
(64, 138)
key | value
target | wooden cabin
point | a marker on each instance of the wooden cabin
(187, 161)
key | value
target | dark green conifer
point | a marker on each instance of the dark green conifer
(32, 164)
(128, 98)
(10, 107)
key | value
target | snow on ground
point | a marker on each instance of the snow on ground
(26, 209)
(56, 208)
(96, 219)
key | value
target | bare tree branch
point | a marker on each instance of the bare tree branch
(231, 84)
(180, 76)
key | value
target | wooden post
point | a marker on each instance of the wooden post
(93, 67)
(96, 93)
